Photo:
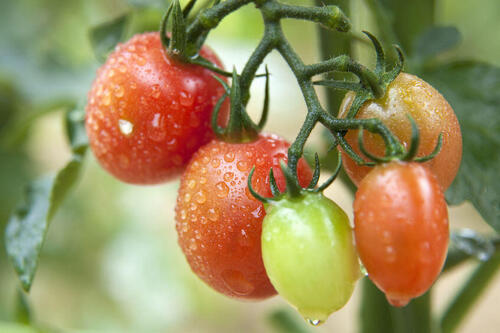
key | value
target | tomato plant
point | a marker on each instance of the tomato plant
(409, 95)
(219, 222)
(401, 229)
(147, 112)
(148, 115)
(309, 255)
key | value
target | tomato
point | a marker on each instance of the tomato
(147, 113)
(401, 229)
(408, 94)
(309, 255)
(219, 222)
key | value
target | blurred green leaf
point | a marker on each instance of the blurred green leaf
(104, 37)
(161, 4)
(473, 90)
(469, 294)
(17, 328)
(75, 129)
(434, 41)
(284, 321)
(466, 244)
(27, 226)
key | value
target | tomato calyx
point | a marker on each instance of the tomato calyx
(293, 189)
(177, 44)
(399, 152)
(240, 127)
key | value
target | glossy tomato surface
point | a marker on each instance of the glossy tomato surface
(309, 255)
(408, 94)
(147, 114)
(219, 222)
(401, 229)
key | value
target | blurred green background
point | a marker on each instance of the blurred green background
(111, 262)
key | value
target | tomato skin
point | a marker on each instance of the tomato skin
(401, 229)
(408, 94)
(309, 255)
(219, 222)
(147, 113)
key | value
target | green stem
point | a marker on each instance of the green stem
(469, 294)
(211, 17)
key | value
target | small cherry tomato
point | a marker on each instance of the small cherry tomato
(309, 255)
(219, 222)
(148, 113)
(408, 94)
(401, 229)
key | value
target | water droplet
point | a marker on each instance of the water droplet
(126, 127)
(193, 245)
(156, 91)
(236, 282)
(203, 180)
(119, 91)
(397, 302)
(183, 214)
(122, 69)
(106, 100)
(215, 162)
(228, 176)
(212, 215)
(186, 99)
(363, 270)
(229, 157)
(390, 254)
(191, 183)
(156, 131)
(187, 197)
(222, 189)
(242, 165)
(200, 197)
(141, 61)
(257, 212)
(314, 322)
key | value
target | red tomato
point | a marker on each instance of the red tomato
(147, 113)
(401, 229)
(408, 94)
(219, 222)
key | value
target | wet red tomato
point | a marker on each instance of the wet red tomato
(401, 229)
(219, 222)
(147, 113)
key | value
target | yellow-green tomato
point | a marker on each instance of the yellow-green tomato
(309, 255)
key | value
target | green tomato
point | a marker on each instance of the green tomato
(309, 255)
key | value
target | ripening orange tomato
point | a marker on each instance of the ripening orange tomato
(408, 94)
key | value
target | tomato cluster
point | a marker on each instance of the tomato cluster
(148, 117)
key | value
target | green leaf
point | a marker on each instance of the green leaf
(434, 41)
(27, 227)
(469, 294)
(75, 129)
(284, 321)
(473, 90)
(17, 328)
(104, 37)
(159, 4)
